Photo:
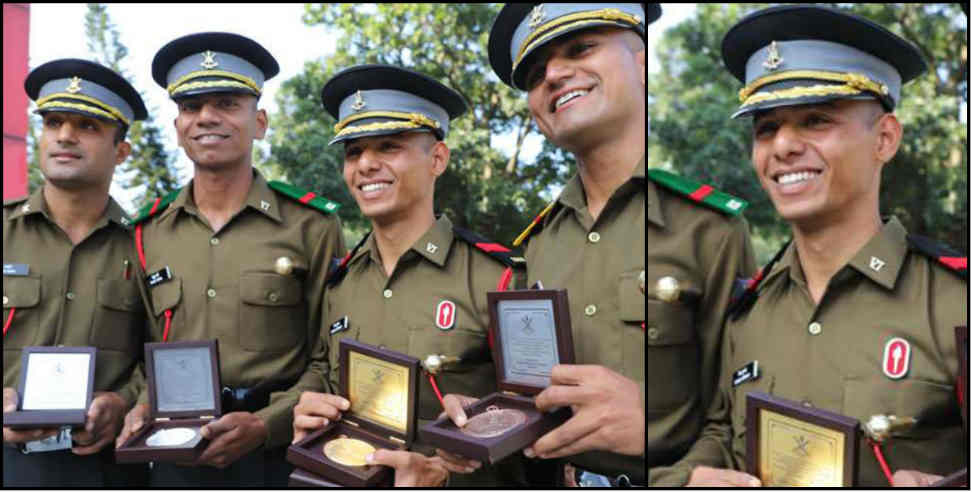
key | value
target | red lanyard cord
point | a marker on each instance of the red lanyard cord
(6, 324)
(884, 464)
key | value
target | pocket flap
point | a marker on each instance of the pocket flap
(631, 300)
(166, 295)
(120, 295)
(269, 289)
(21, 292)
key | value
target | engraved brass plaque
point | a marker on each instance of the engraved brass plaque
(378, 390)
(796, 453)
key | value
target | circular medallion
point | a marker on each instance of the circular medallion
(171, 437)
(493, 422)
(347, 451)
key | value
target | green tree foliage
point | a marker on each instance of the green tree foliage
(484, 190)
(150, 166)
(926, 184)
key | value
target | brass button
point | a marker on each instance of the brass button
(5, 300)
(652, 332)
(211, 293)
(273, 297)
(593, 237)
(590, 310)
(814, 328)
(70, 296)
(214, 241)
(387, 293)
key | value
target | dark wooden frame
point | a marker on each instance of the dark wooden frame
(135, 449)
(27, 419)
(444, 434)
(307, 454)
(562, 327)
(850, 427)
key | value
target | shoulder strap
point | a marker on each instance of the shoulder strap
(337, 273)
(941, 253)
(746, 291)
(537, 224)
(700, 193)
(157, 205)
(305, 197)
(495, 250)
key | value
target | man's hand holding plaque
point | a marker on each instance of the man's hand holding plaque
(315, 410)
(233, 435)
(607, 413)
(105, 416)
(12, 436)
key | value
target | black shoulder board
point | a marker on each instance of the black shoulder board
(942, 254)
(336, 274)
(492, 248)
(745, 291)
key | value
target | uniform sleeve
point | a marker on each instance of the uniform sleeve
(731, 259)
(278, 415)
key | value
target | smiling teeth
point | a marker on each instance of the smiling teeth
(374, 187)
(796, 177)
(567, 97)
(210, 138)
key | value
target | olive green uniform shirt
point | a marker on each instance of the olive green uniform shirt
(398, 312)
(72, 295)
(599, 263)
(830, 355)
(224, 286)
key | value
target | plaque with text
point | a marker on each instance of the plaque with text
(183, 388)
(789, 445)
(55, 388)
(382, 386)
(531, 334)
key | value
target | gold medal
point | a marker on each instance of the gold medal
(347, 451)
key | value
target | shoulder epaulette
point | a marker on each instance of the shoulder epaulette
(745, 291)
(496, 250)
(157, 205)
(308, 198)
(15, 201)
(942, 254)
(700, 193)
(536, 225)
(337, 273)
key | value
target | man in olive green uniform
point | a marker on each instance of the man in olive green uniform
(68, 273)
(234, 258)
(583, 67)
(415, 284)
(855, 316)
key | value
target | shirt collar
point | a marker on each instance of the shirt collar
(36, 204)
(259, 197)
(573, 195)
(882, 257)
(434, 245)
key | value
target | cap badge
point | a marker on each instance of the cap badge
(445, 315)
(359, 103)
(209, 60)
(773, 59)
(75, 85)
(537, 16)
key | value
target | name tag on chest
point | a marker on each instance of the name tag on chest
(748, 372)
(16, 269)
(158, 277)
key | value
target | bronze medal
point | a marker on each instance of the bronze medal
(493, 422)
(347, 451)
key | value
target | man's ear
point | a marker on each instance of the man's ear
(440, 158)
(263, 121)
(889, 137)
(640, 59)
(122, 151)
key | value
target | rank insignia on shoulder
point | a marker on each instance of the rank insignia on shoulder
(495, 250)
(340, 325)
(748, 372)
(700, 193)
(158, 277)
(305, 197)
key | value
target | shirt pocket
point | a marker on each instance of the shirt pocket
(119, 316)
(273, 316)
(631, 307)
(165, 296)
(21, 295)
(673, 353)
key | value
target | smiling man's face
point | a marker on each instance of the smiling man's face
(217, 130)
(78, 151)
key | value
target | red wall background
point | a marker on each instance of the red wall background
(16, 27)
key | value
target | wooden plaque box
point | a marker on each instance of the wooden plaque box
(33, 408)
(169, 367)
(379, 383)
(511, 316)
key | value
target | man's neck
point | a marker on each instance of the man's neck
(221, 194)
(395, 237)
(604, 167)
(825, 249)
(76, 211)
